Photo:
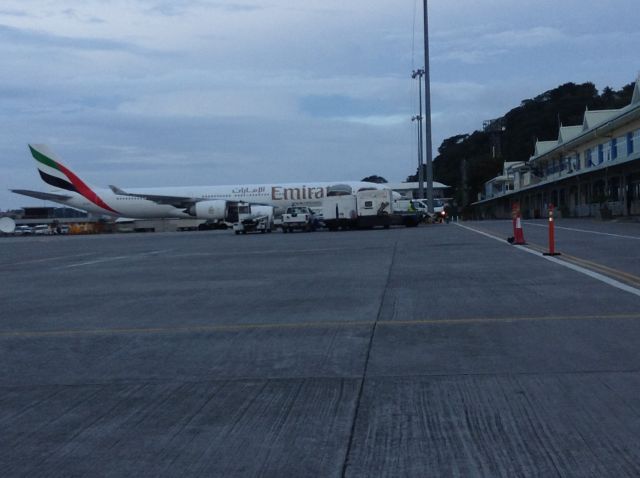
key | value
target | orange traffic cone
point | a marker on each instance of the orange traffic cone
(518, 234)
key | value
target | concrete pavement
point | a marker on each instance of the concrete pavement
(434, 351)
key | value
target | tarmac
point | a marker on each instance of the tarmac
(435, 351)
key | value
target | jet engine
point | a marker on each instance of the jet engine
(215, 209)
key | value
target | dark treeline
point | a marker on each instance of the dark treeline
(477, 157)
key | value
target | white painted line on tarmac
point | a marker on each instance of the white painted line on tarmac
(47, 259)
(98, 261)
(587, 272)
(490, 236)
(623, 236)
(274, 251)
(114, 258)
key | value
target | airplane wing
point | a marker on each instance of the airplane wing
(41, 195)
(176, 201)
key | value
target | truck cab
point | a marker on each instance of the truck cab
(298, 218)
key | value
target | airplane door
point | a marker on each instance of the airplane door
(232, 212)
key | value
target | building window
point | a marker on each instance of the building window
(600, 153)
(614, 148)
(588, 158)
(629, 143)
(577, 163)
(606, 151)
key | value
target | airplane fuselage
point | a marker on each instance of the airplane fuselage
(278, 195)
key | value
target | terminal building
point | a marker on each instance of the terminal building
(591, 170)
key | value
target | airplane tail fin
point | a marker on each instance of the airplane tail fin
(51, 170)
(56, 174)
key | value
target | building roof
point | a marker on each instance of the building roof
(503, 178)
(544, 147)
(509, 166)
(595, 118)
(567, 133)
(413, 185)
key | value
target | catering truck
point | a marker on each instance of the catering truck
(366, 209)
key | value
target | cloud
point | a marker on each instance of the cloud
(179, 8)
(527, 38)
(32, 38)
(13, 13)
(214, 103)
(486, 46)
(232, 91)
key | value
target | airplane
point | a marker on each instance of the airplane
(200, 202)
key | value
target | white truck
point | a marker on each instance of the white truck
(298, 218)
(253, 218)
(366, 209)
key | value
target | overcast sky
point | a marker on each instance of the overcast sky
(159, 93)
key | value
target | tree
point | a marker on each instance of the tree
(375, 179)
(535, 118)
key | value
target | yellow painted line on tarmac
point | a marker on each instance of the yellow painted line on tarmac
(179, 330)
(492, 320)
(302, 325)
(622, 276)
(632, 279)
(627, 277)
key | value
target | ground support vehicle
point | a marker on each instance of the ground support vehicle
(253, 218)
(439, 214)
(366, 209)
(42, 230)
(298, 218)
(23, 230)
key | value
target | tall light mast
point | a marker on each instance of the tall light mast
(419, 74)
(427, 110)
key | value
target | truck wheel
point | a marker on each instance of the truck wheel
(237, 233)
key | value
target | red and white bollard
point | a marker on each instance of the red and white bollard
(552, 236)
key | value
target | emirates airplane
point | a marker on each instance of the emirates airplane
(201, 202)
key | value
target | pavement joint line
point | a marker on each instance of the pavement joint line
(356, 412)
(318, 325)
(600, 276)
